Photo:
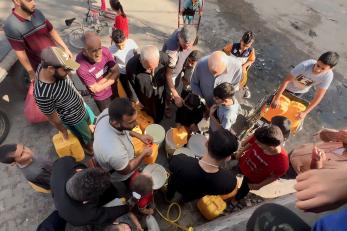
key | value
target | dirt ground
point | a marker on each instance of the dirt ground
(286, 34)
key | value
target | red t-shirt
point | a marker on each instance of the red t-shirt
(144, 201)
(257, 166)
(121, 23)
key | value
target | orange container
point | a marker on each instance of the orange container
(180, 136)
(137, 129)
(293, 109)
(268, 112)
(143, 120)
(211, 206)
(139, 146)
(71, 147)
(120, 88)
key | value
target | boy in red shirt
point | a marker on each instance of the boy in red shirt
(262, 160)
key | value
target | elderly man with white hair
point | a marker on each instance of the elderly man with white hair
(213, 70)
(146, 74)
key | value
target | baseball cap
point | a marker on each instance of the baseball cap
(56, 56)
(188, 33)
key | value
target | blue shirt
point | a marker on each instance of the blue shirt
(332, 222)
(203, 82)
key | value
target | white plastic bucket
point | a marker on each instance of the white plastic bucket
(157, 132)
(158, 173)
(185, 151)
(197, 144)
(170, 145)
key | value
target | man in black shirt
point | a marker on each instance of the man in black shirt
(195, 178)
(146, 74)
(79, 194)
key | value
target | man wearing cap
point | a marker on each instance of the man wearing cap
(213, 70)
(29, 32)
(57, 97)
(98, 70)
(177, 47)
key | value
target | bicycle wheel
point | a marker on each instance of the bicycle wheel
(75, 38)
(4, 126)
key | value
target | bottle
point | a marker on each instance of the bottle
(151, 223)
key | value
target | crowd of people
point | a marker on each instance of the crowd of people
(177, 77)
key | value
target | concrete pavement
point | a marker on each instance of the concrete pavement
(287, 33)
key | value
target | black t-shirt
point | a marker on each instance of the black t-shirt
(187, 117)
(149, 89)
(189, 179)
(75, 212)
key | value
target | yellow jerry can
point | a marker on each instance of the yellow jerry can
(38, 188)
(180, 136)
(71, 147)
(143, 120)
(120, 89)
(137, 129)
(139, 146)
(211, 206)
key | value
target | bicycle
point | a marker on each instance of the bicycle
(4, 126)
(91, 23)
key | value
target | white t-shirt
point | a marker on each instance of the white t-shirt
(122, 56)
(113, 149)
(305, 79)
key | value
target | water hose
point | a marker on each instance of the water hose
(174, 221)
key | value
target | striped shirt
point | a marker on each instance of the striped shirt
(62, 97)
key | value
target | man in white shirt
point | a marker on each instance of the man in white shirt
(113, 149)
(122, 50)
(307, 74)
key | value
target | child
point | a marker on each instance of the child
(36, 170)
(121, 20)
(284, 124)
(191, 113)
(246, 53)
(262, 160)
(141, 186)
(225, 110)
(188, 68)
(190, 7)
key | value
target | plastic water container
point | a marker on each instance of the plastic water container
(293, 110)
(197, 144)
(143, 120)
(120, 89)
(180, 136)
(152, 224)
(139, 146)
(157, 132)
(158, 173)
(268, 112)
(211, 206)
(71, 147)
(185, 151)
(170, 144)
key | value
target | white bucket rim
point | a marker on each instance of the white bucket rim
(158, 173)
(158, 138)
